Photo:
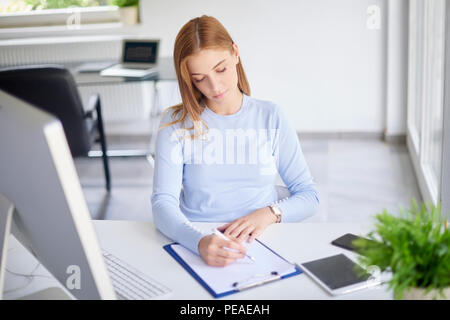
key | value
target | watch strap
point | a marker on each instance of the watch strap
(274, 211)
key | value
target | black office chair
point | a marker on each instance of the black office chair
(53, 89)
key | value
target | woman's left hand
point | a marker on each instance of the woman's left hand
(251, 225)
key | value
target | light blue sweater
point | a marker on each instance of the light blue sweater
(230, 173)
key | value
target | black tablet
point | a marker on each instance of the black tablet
(338, 274)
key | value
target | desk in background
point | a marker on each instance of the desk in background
(166, 72)
(140, 244)
(109, 88)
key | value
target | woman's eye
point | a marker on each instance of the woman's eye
(200, 80)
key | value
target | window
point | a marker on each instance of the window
(69, 14)
(416, 60)
(425, 94)
(10, 6)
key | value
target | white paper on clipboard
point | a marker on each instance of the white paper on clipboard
(243, 271)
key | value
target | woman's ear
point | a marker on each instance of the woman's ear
(236, 52)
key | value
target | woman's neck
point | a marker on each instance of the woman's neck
(229, 106)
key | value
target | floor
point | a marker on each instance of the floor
(356, 178)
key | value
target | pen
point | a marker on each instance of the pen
(220, 234)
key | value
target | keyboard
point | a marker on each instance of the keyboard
(131, 284)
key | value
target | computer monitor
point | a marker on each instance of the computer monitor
(47, 207)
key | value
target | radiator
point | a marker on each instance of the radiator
(59, 50)
(122, 102)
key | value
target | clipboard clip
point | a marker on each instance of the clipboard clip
(274, 276)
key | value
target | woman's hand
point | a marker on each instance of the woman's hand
(213, 252)
(251, 225)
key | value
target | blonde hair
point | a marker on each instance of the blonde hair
(203, 32)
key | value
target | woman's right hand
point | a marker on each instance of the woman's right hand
(213, 252)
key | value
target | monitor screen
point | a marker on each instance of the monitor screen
(140, 51)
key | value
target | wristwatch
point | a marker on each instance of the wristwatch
(276, 211)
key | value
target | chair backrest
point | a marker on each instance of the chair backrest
(53, 89)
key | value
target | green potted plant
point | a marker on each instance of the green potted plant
(128, 9)
(415, 247)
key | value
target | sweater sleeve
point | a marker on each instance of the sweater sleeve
(167, 181)
(293, 169)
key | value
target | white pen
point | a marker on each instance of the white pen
(220, 234)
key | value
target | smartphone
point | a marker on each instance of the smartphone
(346, 241)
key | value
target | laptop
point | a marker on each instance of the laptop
(139, 59)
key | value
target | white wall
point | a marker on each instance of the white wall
(315, 58)
(397, 66)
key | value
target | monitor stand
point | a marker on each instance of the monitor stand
(6, 219)
(6, 213)
(52, 293)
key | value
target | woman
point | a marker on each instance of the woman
(225, 148)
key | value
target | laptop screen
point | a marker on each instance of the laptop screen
(140, 52)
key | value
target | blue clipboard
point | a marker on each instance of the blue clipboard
(169, 249)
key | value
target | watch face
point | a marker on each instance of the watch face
(276, 210)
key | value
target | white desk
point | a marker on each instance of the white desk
(140, 244)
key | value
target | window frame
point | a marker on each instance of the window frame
(60, 20)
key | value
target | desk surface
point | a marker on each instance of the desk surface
(166, 72)
(140, 244)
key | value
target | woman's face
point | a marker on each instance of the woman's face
(213, 72)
